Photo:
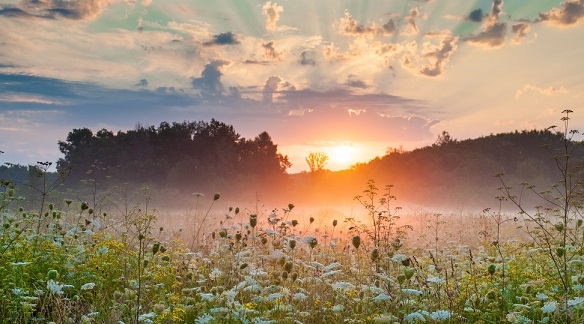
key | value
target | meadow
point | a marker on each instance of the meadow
(66, 261)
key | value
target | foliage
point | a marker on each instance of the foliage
(316, 161)
(178, 155)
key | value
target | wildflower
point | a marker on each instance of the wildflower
(216, 273)
(541, 296)
(19, 263)
(415, 317)
(204, 319)
(299, 296)
(206, 296)
(343, 286)
(411, 291)
(381, 298)
(549, 307)
(88, 286)
(55, 287)
(440, 315)
(575, 301)
(435, 280)
(330, 273)
(274, 296)
(338, 308)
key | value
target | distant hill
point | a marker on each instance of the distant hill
(450, 173)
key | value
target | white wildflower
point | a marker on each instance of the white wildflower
(19, 263)
(259, 272)
(204, 319)
(299, 296)
(343, 286)
(415, 317)
(338, 308)
(381, 297)
(541, 296)
(216, 273)
(411, 292)
(147, 318)
(549, 307)
(435, 280)
(332, 266)
(55, 287)
(88, 286)
(575, 301)
(440, 315)
(206, 296)
(330, 273)
(274, 296)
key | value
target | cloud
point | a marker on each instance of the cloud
(272, 13)
(270, 86)
(227, 38)
(146, 3)
(493, 36)
(440, 56)
(520, 29)
(210, 81)
(549, 91)
(475, 15)
(432, 59)
(73, 10)
(350, 26)
(306, 58)
(570, 13)
(354, 82)
(411, 25)
(142, 83)
(494, 32)
(270, 51)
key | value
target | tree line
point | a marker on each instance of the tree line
(189, 155)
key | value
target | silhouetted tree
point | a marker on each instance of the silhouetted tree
(316, 161)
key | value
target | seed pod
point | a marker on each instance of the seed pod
(335, 223)
(253, 220)
(238, 236)
(409, 272)
(216, 196)
(356, 241)
(264, 240)
(312, 243)
(491, 269)
(311, 220)
(292, 244)
(155, 248)
(288, 266)
(374, 255)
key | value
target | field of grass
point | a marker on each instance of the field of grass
(70, 265)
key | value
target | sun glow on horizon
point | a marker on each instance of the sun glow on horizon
(342, 154)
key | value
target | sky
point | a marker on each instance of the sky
(350, 78)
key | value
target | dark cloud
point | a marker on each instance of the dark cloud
(494, 32)
(227, 38)
(497, 8)
(210, 81)
(270, 87)
(142, 83)
(476, 15)
(493, 36)
(390, 26)
(270, 51)
(570, 13)
(306, 58)
(520, 29)
(73, 10)
(354, 82)
(249, 61)
(14, 12)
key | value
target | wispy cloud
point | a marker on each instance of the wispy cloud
(549, 91)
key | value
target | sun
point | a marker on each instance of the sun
(342, 154)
